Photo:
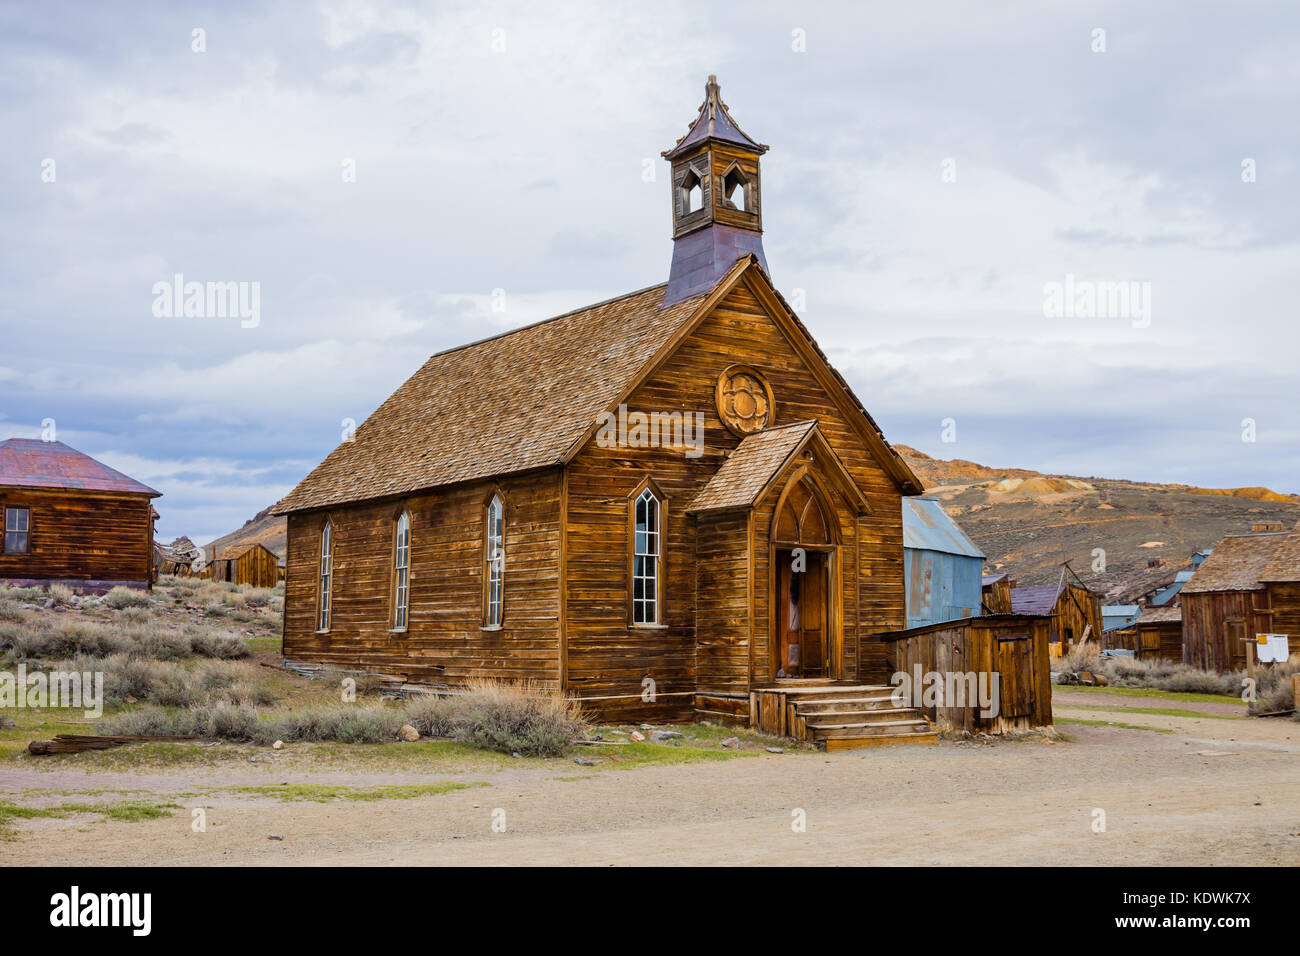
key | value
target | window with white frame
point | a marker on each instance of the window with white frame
(495, 556)
(401, 570)
(17, 528)
(326, 578)
(646, 558)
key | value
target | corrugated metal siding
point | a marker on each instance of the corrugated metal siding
(941, 586)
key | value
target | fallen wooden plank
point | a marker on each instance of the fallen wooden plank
(79, 743)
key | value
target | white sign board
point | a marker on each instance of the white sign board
(1272, 648)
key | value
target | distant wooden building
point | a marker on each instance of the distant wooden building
(540, 504)
(252, 564)
(1160, 634)
(1074, 608)
(1249, 585)
(70, 519)
(996, 591)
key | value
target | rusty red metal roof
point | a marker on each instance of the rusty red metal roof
(32, 463)
(1035, 599)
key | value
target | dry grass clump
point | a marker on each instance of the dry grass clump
(121, 597)
(508, 718)
(1274, 689)
(1156, 675)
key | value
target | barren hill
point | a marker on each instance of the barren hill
(263, 528)
(1027, 523)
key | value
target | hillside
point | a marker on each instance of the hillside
(1027, 523)
(263, 528)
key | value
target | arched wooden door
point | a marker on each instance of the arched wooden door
(804, 543)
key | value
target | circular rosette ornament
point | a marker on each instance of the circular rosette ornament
(744, 399)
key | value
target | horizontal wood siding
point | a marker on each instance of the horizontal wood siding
(740, 332)
(81, 536)
(445, 639)
(1284, 601)
(605, 655)
(723, 607)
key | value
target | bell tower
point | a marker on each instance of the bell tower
(717, 199)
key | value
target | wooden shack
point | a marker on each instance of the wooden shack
(1159, 634)
(681, 503)
(1009, 648)
(1226, 603)
(69, 519)
(996, 593)
(1074, 609)
(252, 564)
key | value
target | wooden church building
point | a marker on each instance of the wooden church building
(664, 503)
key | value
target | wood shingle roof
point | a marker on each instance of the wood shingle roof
(1235, 564)
(746, 473)
(529, 398)
(505, 404)
(1285, 563)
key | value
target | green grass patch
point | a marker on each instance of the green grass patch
(1159, 711)
(1111, 723)
(129, 812)
(1150, 692)
(322, 793)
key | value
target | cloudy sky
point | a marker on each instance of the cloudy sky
(380, 169)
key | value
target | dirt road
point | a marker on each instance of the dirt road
(1203, 791)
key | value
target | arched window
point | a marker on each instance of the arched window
(733, 189)
(647, 558)
(494, 551)
(401, 570)
(326, 578)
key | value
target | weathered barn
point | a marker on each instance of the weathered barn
(996, 591)
(253, 564)
(1228, 601)
(1074, 608)
(941, 565)
(661, 503)
(1160, 634)
(70, 519)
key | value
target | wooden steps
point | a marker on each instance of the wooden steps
(839, 716)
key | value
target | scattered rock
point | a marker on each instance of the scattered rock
(647, 726)
(278, 745)
(1101, 679)
(731, 742)
(774, 750)
(408, 733)
(49, 603)
(659, 736)
(584, 763)
(275, 836)
(7, 722)
(637, 736)
(517, 754)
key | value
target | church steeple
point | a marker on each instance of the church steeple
(717, 199)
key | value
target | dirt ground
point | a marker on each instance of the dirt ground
(1191, 790)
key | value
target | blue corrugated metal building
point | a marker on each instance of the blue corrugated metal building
(942, 566)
